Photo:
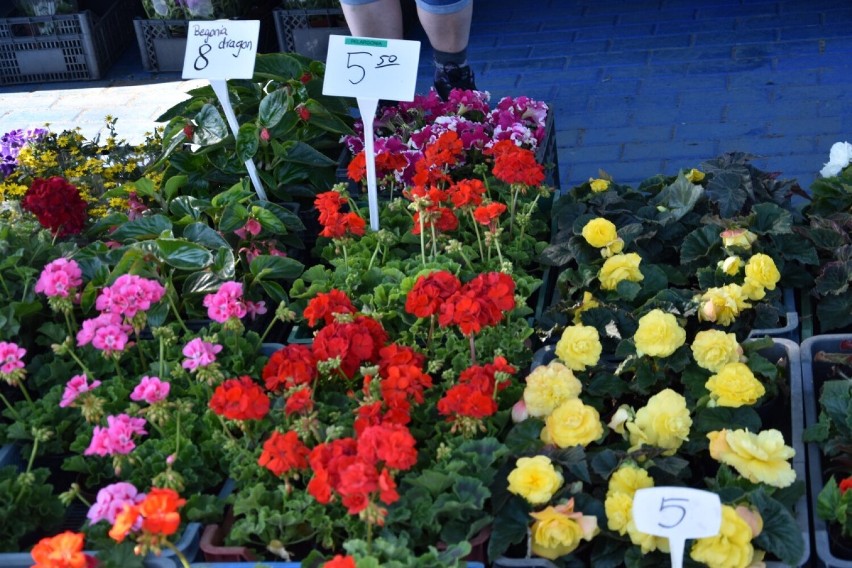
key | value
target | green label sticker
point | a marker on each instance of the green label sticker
(366, 42)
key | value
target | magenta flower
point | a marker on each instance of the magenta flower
(106, 332)
(112, 499)
(77, 385)
(252, 227)
(226, 303)
(151, 390)
(11, 357)
(116, 437)
(59, 278)
(130, 294)
(199, 353)
(255, 309)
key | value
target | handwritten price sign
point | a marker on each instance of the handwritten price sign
(221, 49)
(677, 513)
(371, 68)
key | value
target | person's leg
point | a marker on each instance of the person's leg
(447, 24)
(373, 18)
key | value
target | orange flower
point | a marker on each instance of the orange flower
(64, 550)
(124, 521)
(159, 510)
(340, 562)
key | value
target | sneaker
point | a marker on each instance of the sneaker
(451, 76)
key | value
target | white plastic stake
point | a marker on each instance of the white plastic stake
(221, 89)
(677, 513)
(367, 107)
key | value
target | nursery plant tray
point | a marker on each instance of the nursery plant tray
(814, 374)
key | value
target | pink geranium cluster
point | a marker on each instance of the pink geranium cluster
(112, 499)
(226, 303)
(59, 278)
(77, 385)
(151, 390)
(11, 357)
(106, 332)
(116, 437)
(129, 295)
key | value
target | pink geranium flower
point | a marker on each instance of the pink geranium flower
(11, 357)
(77, 385)
(226, 303)
(59, 278)
(151, 390)
(199, 353)
(116, 437)
(112, 499)
(106, 332)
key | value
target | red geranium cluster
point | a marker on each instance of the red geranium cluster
(57, 204)
(337, 224)
(475, 394)
(289, 367)
(283, 453)
(438, 157)
(388, 162)
(353, 343)
(515, 165)
(240, 399)
(324, 306)
(360, 470)
(482, 302)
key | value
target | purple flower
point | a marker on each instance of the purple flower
(112, 499)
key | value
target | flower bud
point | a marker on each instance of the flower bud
(623, 415)
(752, 519)
(740, 238)
(519, 412)
(264, 134)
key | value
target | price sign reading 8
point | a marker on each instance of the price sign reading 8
(371, 68)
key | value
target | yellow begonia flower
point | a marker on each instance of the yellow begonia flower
(694, 175)
(572, 424)
(722, 305)
(588, 303)
(620, 267)
(579, 347)
(664, 422)
(731, 548)
(714, 348)
(618, 505)
(598, 185)
(599, 232)
(752, 290)
(628, 479)
(740, 238)
(548, 386)
(535, 479)
(557, 531)
(761, 270)
(731, 265)
(658, 334)
(734, 386)
(760, 458)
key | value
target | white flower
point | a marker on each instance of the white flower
(838, 158)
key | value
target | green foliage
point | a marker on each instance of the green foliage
(27, 504)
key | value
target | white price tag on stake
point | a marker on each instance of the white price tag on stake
(678, 513)
(371, 68)
(221, 49)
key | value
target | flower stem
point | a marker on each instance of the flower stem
(80, 362)
(422, 238)
(515, 194)
(177, 314)
(33, 452)
(10, 407)
(497, 245)
(478, 238)
(183, 561)
(472, 350)
(117, 369)
(375, 253)
(26, 393)
(434, 242)
(162, 363)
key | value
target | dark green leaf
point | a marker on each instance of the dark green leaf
(781, 535)
(272, 108)
(268, 220)
(204, 235)
(793, 247)
(700, 244)
(210, 127)
(268, 267)
(183, 254)
(678, 199)
(248, 141)
(725, 189)
(234, 217)
(304, 154)
(201, 283)
(142, 229)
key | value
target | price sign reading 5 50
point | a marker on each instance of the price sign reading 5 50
(371, 68)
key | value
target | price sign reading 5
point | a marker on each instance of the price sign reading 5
(371, 68)
(677, 513)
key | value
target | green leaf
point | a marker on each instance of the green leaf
(301, 153)
(834, 278)
(525, 437)
(781, 535)
(323, 119)
(224, 264)
(268, 220)
(272, 108)
(700, 244)
(201, 283)
(828, 501)
(793, 247)
(836, 402)
(771, 219)
(173, 186)
(290, 220)
(275, 268)
(833, 312)
(718, 418)
(726, 191)
(204, 235)
(248, 141)
(210, 127)
(678, 199)
(142, 229)
(186, 206)
(184, 255)
(604, 463)
(274, 291)
(234, 216)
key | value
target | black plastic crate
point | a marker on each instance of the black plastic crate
(162, 43)
(306, 31)
(69, 47)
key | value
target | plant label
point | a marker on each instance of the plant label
(371, 68)
(221, 49)
(677, 513)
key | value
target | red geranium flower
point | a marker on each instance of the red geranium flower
(64, 550)
(340, 562)
(328, 204)
(513, 164)
(395, 354)
(488, 214)
(402, 383)
(283, 452)
(290, 366)
(57, 204)
(468, 401)
(324, 305)
(240, 399)
(299, 402)
(390, 444)
(355, 343)
(429, 292)
(467, 193)
(846, 484)
(159, 511)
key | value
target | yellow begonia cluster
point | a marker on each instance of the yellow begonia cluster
(548, 386)
(558, 530)
(712, 349)
(734, 386)
(620, 267)
(722, 304)
(664, 422)
(535, 479)
(602, 234)
(579, 347)
(623, 485)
